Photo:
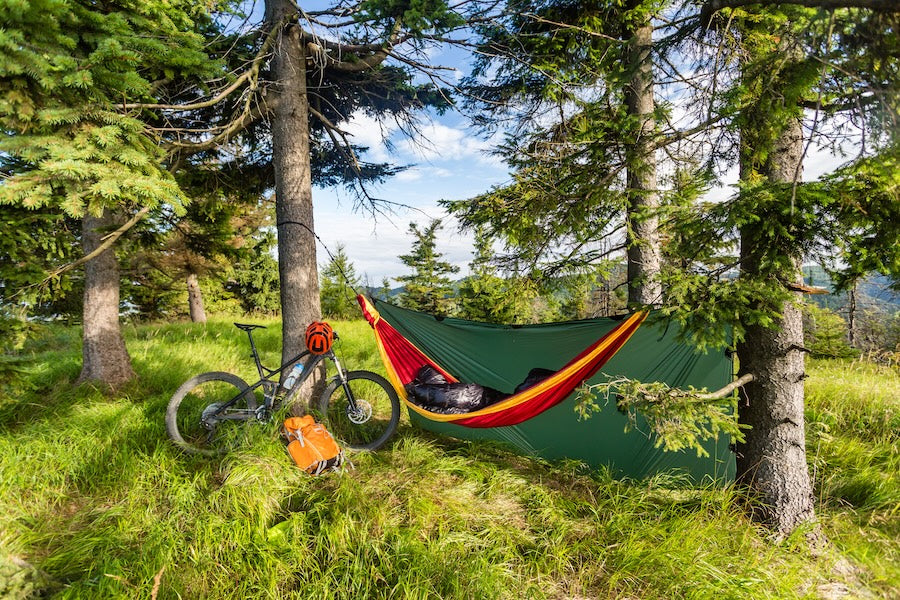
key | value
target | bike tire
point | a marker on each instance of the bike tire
(378, 415)
(198, 394)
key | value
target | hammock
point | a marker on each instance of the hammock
(541, 420)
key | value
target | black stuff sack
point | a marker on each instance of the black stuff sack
(466, 396)
(534, 377)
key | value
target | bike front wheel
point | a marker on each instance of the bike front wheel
(197, 419)
(368, 417)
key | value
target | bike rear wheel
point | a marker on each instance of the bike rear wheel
(195, 420)
(375, 418)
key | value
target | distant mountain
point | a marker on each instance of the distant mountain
(873, 292)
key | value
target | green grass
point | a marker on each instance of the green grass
(96, 503)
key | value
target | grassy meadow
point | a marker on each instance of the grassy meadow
(96, 503)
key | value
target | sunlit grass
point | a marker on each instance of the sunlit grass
(853, 441)
(96, 503)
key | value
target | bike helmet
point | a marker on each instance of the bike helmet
(319, 337)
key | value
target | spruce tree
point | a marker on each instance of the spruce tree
(771, 64)
(483, 295)
(338, 284)
(779, 62)
(428, 288)
(576, 81)
(103, 104)
(65, 146)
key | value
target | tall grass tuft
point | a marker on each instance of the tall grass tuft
(96, 503)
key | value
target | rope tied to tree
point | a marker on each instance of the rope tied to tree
(348, 284)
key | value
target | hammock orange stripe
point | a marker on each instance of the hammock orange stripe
(402, 360)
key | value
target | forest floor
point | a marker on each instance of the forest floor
(96, 503)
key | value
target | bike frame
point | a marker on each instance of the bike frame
(266, 376)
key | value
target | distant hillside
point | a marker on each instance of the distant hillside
(873, 292)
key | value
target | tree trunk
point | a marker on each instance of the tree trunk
(195, 299)
(104, 357)
(772, 460)
(293, 186)
(642, 220)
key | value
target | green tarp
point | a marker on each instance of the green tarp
(500, 356)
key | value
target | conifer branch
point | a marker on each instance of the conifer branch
(726, 390)
(108, 240)
(332, 129)
(378, 55)
(679, 419)
(250, 114)
(251, 74)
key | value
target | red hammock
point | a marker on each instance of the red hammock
(403, 360)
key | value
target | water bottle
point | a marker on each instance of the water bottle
(293, 376)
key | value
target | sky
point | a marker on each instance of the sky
(448, 162)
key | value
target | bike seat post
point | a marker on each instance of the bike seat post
(254, 353)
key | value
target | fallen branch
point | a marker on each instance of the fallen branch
(156, 582)
(677, 418)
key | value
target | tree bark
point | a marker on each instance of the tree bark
(104, 356)
(644, 287)
(772, 460)
(297, 266)
(195, 299)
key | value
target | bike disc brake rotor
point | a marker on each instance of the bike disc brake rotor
(362, 413)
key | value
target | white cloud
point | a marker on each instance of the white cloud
(417, 173)
(412, 174)
(374, 247)
(434, 142)
(438, 142)
(368, 131)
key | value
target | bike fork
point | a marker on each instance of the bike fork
(342, 377)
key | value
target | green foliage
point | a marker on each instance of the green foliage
(825, 333)
(253, 278)
(65, 66)
(384, 292)
(678, 419)
(577, 290)
(859, 213)
(222, 234)
(428, 288)
(21, 581)
(849, 220)
(483, 296)
(418, 16)
(338, 295)
(558, 74)
(33, 243)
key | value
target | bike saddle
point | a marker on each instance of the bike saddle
(247, 327)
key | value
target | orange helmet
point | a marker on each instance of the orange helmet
(319, 337)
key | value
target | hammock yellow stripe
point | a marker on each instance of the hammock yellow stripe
(528, 394)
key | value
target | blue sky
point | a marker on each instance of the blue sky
(449, 162)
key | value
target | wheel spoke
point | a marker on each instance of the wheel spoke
(201, 399)
(376, 415)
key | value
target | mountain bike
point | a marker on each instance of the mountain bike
(208, 413)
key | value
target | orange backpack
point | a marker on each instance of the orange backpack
(311, 446)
